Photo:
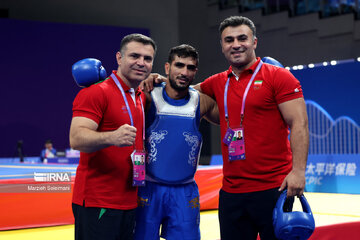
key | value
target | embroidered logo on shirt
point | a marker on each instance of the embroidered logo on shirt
(296, 90)
(257, 84)
(154, 139)
(124, 110)
(193, 141)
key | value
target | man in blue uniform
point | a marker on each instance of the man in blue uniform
(170, 199)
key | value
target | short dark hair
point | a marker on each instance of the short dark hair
(137, 37)
(235, 21)
(183, 50)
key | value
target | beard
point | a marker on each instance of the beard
(176, 86)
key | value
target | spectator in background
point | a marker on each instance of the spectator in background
(48, 152)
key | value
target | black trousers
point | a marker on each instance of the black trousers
(245, 215)
(93, 223)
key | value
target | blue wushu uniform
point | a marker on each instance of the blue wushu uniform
(171, 198)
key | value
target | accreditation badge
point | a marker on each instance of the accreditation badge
(138, 162)
(236, 147)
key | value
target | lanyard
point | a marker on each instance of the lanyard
(127, 103)
(244, 97)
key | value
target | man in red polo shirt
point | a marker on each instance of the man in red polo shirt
(107, 127)
(258, 102)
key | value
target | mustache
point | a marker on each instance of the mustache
(240, 50)
(183, 78)
(139, 69)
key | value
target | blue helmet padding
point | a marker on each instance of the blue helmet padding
(88, 71)
(272, 61)
(293, 225)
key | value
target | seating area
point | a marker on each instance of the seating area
(325, 8)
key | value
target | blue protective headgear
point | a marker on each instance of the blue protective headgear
(293, 225)
(272, 61)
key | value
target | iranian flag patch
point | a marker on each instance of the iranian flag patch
(257, 84)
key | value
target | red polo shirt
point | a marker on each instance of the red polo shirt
(267, 148)
(104, 178)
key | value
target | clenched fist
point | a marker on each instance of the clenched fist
(123, 136)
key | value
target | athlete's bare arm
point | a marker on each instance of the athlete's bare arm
(209, 109)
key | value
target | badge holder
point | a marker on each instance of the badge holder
(234, 139)
(237, 145)
(138, 161)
